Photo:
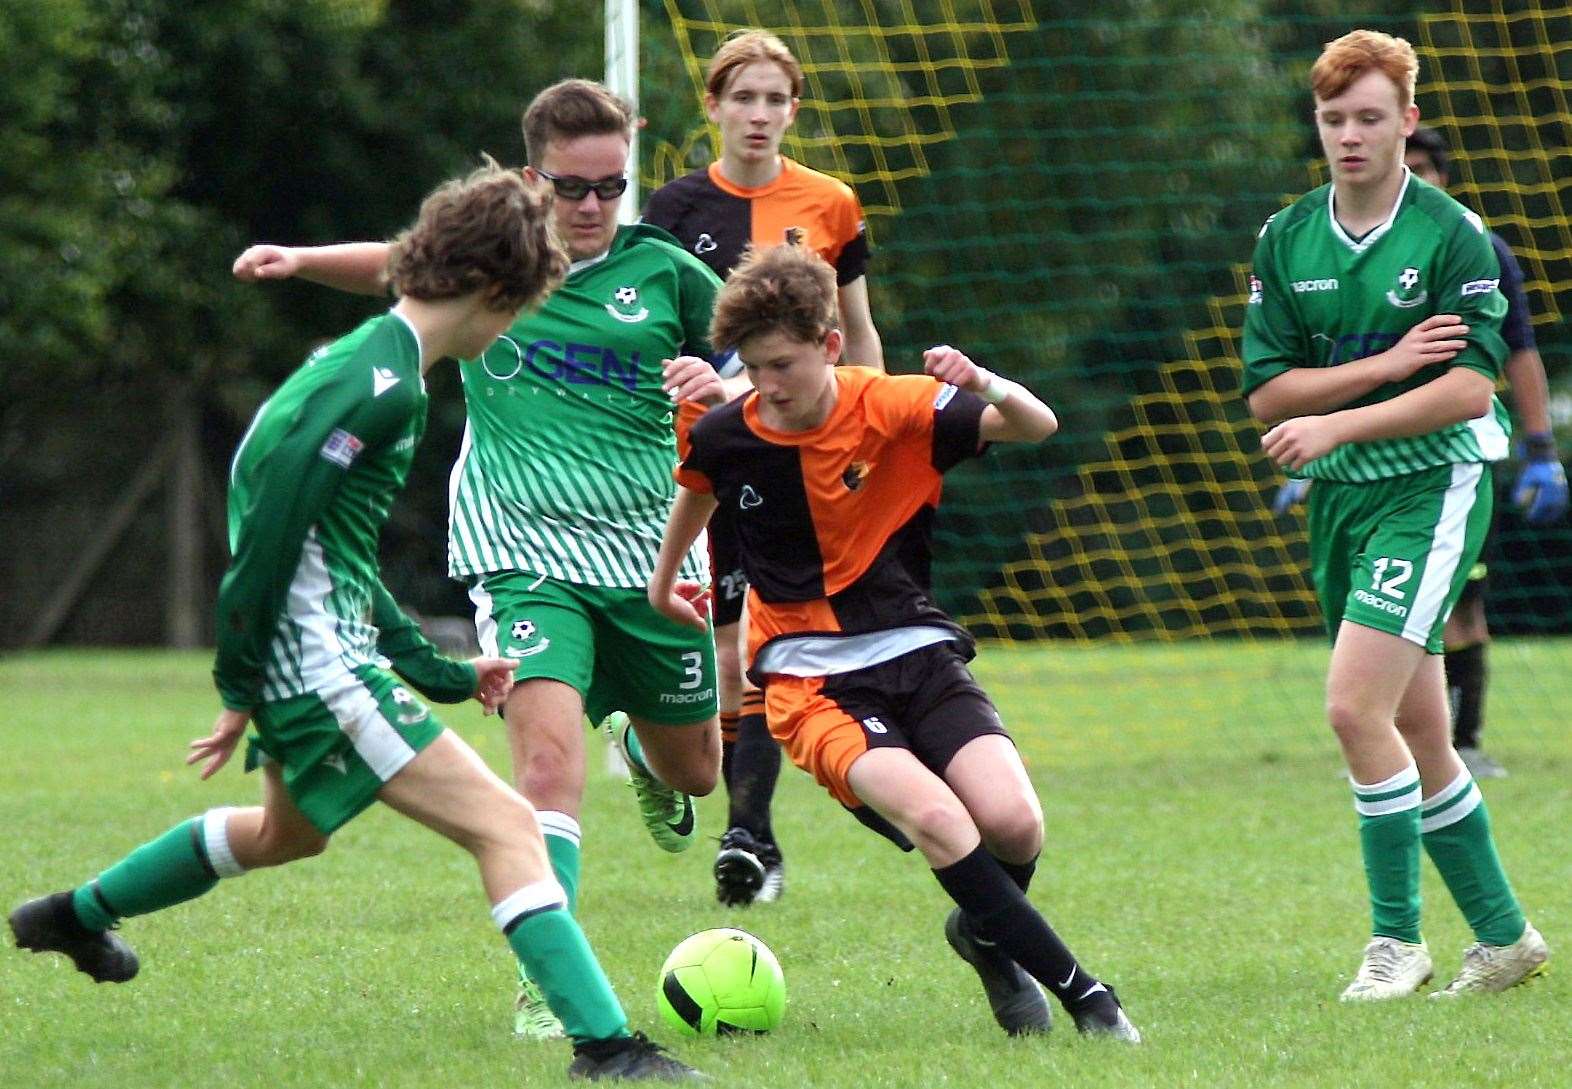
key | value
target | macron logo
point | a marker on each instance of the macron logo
(382, 380)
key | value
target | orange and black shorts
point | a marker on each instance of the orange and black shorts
(926, 701)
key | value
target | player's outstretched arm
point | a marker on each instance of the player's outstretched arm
(1014, 413)
(1459, 394)
(862, 345)
(360, 267)
(1307, 391)
(682, 602)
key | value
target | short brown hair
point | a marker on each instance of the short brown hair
(745, 47)
(1361, 51)
(570, 109)
(487, 232)
(784, 289)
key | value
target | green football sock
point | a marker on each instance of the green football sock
(1456, 832)
(562, 847)
(169, 870)
(635, 749)
(552, 950)
(1389, 840)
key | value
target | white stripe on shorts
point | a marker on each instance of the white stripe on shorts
(1446, 549)
(485, 619)
(360, 717)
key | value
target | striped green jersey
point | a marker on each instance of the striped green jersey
(1319, 298)
(309, 491)
(566, 464)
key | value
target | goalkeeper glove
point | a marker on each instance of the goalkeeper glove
(1541, 488)
(1290, 495)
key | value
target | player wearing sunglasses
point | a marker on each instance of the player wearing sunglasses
(563, 484)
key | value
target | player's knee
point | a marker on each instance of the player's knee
(1015, 831)
(507, 822)
(1349, 719)
(939, 826)
(547, 764)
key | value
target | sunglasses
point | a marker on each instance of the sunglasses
(572, 187)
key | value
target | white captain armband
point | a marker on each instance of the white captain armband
(998, 388)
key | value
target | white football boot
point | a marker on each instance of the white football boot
(1391, 969)
(1491, 968)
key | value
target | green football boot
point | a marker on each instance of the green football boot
(667, 813)
(532, 1017)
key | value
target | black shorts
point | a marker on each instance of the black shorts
(926, 702)
(729, 584)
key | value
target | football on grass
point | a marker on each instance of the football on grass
(721, 981)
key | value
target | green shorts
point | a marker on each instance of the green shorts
(338, 745)
(608, 643)
(1395, 555)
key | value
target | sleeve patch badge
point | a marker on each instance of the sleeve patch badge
(342, 448)
(947, 394)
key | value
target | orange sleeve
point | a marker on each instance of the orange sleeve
(903, 404)
(688, 413)
(693, 480)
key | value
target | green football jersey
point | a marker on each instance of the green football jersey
(1319, 298)
(309, 491)
(566, 464)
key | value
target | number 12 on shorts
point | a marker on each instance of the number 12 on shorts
(1402, 571)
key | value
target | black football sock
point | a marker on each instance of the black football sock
(999, 912)
(1465, 682)
(756, 766)
(728, 727)
(1020, 872)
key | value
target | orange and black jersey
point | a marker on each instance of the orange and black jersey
(716, 220)
(833, 522)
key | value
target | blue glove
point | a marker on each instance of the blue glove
(1541, 488)
(1290, 495)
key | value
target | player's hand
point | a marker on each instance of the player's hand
(1302, 439)
(952, 365)
(1290, 495)
(689, 378)
(1541, 488)
(493, 681)
(1437, 339)
(217, 747)
(687, 604)
(266, 262)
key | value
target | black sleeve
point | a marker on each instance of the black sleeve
(1517, 328)
(957, 419)
(853, 261)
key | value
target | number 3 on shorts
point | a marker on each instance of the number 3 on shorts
(692, 669)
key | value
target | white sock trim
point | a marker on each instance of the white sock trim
(1451, 803)
(553, 823)
(1450, 791)
(215, 838)
(1405, 781)
(543, 895)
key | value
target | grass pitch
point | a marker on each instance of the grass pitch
(1201, 856)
